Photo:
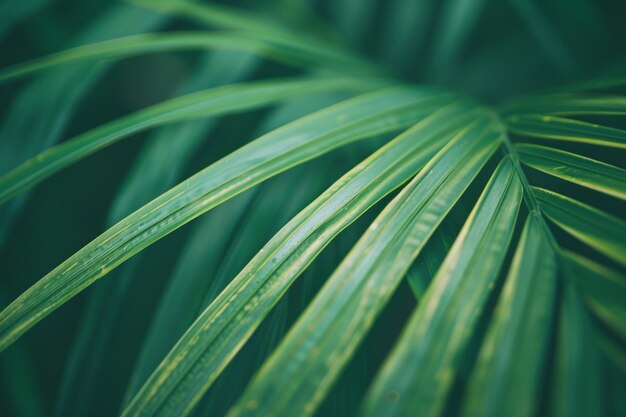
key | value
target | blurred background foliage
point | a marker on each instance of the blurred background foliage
(491, 50)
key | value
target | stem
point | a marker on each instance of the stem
(529, 197)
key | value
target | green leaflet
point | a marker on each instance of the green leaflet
(205, 349)
(603, 290)
(507, 379)
(569, 104)
(559, 128)
(300, 44)
(430, 259)
(193, 277)
(297, 376)
(575, 168)
(419, 372)
(302, 140)
(235, 237)
(54, 94)
(53, 97)
(577, 379)
(212, 102)
(167, 42)
(599, 230)
(425, 267)
(189, 285)
(169, 149)
(158, 167)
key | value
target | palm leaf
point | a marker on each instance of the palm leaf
(188, 286)
(577, 374)
(587, 172)
(153, 43)
(300, 372)
(602, 288)
(54, 96)
(148, 178)
(213, 102)
(599, 230)
(276, 151)
(520, 329)
(559, 128)
(441, 328)
(515, 307)
(201, 354)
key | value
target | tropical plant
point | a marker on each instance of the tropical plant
(467, 259)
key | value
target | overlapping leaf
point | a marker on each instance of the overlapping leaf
(602, 288)
(598, 229)
(230, 236)
(181, 41)
(559, 128)
(158, 167)
(577, 372)
(300, 372)
(302, 140)
(212, 102)
(221, 329)
(54, 95)
(508, 376)
(420, 371)
(575, 168)
(300, 45)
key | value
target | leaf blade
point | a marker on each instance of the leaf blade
(576, 366)
(578, 169)
(299, 373)
(559, 128)
(53, 96)
(212, 102)
(599, 230)
(157, 168)
(603, 290)
(299, 141)
(221, 329)
(147, 43)
(440, 328)
(272, 32)
(507, 377)
(569, 104)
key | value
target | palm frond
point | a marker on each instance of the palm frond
(233, 316)
(446, 319)
(465, 260)
(302, 140)
(562, 129)
(507, 377)
(213, 102)
(575, 168)
(599, 230)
